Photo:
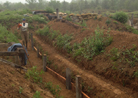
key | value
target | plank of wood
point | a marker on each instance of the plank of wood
(10, 53)
(12, 64)
(6, 44)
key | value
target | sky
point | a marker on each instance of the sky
(23, 1)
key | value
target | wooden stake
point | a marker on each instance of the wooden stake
(57, 11)
(38, 52)
(68, 78)
(78, 87)
(132, 21)
(44, 63)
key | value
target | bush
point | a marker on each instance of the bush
(6, 36)
(34, 74)
(92, 45)
(121, 17)
(49, 10)
(68, 18)
(108, 21)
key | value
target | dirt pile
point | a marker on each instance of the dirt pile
(14, 84)
(102, 64)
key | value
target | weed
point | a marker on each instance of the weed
(34, 74)
(37, 95)
(30, 27)
(108, 22)
(89, 89)
(114, 54)
(135, 74)
(55, 90)
(115, 22)
(6, 36)
(20, 89)
(93, 45)
(68, 18)
(13, 85)
(84, 24)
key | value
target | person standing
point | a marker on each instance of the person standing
(24, 32)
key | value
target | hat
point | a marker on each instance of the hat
(23, 19)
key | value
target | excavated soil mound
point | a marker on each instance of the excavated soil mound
(12, 82)
(102, 64)
(113, 24)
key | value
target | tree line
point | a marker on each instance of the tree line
(74, 5)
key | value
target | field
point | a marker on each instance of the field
(103, 51)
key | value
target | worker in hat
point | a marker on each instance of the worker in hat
(24, 32)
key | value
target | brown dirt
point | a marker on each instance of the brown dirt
(101, 86)
(48, 77)
(101, 62)
(11, 80)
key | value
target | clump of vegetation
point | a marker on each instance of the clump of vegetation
(68, 18)
(131, 29)
(55, 90)
(20, 90)
(49, 10)
(6, 36)
(93, 45)
(84, 24)
(37, 95)
(115, 54)
(108, 21)
(44, 31)
(115, 22)
(63, 41)
(121, 17)
(34, 75)
(128, 56)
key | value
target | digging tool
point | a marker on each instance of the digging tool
(27, 55)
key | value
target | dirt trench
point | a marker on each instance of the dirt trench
(111, 90)
(47, 77)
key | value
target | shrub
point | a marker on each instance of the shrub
(121, 17)
(49, 10)
(6, 36)
(92, 45)
(68, 18)
(44, 31)
(108, 21)
(34, 74)
(37, 95)
(84, 24)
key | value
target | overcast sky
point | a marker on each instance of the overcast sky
(23, 1)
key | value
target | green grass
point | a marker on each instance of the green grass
(6, 36)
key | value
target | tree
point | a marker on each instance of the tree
(31, 3)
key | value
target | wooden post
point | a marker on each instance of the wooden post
(132, 21)
(68, 78)
(57, 11)
(32, 43)
(78, 87)
(38, 52)
(22, 55)
(44, 63)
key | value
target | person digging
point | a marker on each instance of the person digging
(24, 32)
